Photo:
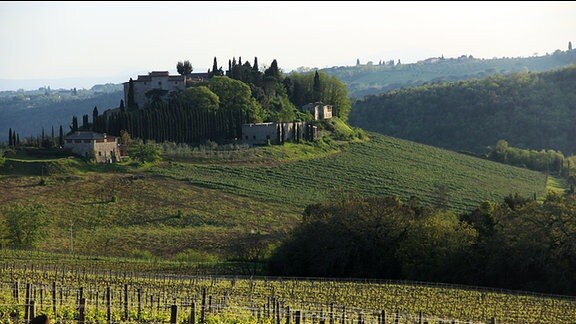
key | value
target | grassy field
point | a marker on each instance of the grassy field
(203, 209)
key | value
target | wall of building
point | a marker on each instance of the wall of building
(82, 147)
(259, 133)
(325, 112)
(262, 133)
(319, 111)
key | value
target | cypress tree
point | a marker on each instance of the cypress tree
(131, 103)
(215, 67)
(95, 126)
(122, 104)
(61, 137)
(74, 123)
(229, 67)
(52, 138)
(255, 66)
(10, 143)
(316, 87)
(569, 46)
(273, 71)
(16, 139)
(85, 122)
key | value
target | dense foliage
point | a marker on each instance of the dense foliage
(529, 110)
(548, 161)
(519, 243)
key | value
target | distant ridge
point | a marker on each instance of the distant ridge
(379, 77)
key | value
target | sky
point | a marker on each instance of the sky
(79, 44)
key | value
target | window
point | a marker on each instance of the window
(99, 153)
(254, 137)
(246, 136)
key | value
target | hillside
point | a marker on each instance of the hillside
(192, 210)
(529, 110)
(27, 112)
(374, 78)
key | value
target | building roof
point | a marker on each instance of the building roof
(156, 74)
(159, 73)
(311, 105)
(88, 135)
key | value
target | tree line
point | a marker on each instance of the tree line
(517, 244)
(529, 110)
(549, 161)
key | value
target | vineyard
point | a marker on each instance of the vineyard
(382, 166)
(73, 294)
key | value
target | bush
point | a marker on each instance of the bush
(144, 152)
(191, 255)
(142, 254)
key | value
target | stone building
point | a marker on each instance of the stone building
(318, 110)
(103, 148)
(276, 132)
(157, 85)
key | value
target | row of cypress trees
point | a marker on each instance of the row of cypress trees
(174, 122)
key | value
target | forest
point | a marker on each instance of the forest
(528, 110)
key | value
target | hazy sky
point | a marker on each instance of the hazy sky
(98, 42)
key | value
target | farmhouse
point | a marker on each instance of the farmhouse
(318, 110)
(102, 147)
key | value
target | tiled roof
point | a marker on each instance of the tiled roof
(87, 135)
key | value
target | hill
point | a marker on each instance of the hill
(27, 112)
(372, 78)
(200, 210)
(529, 110)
